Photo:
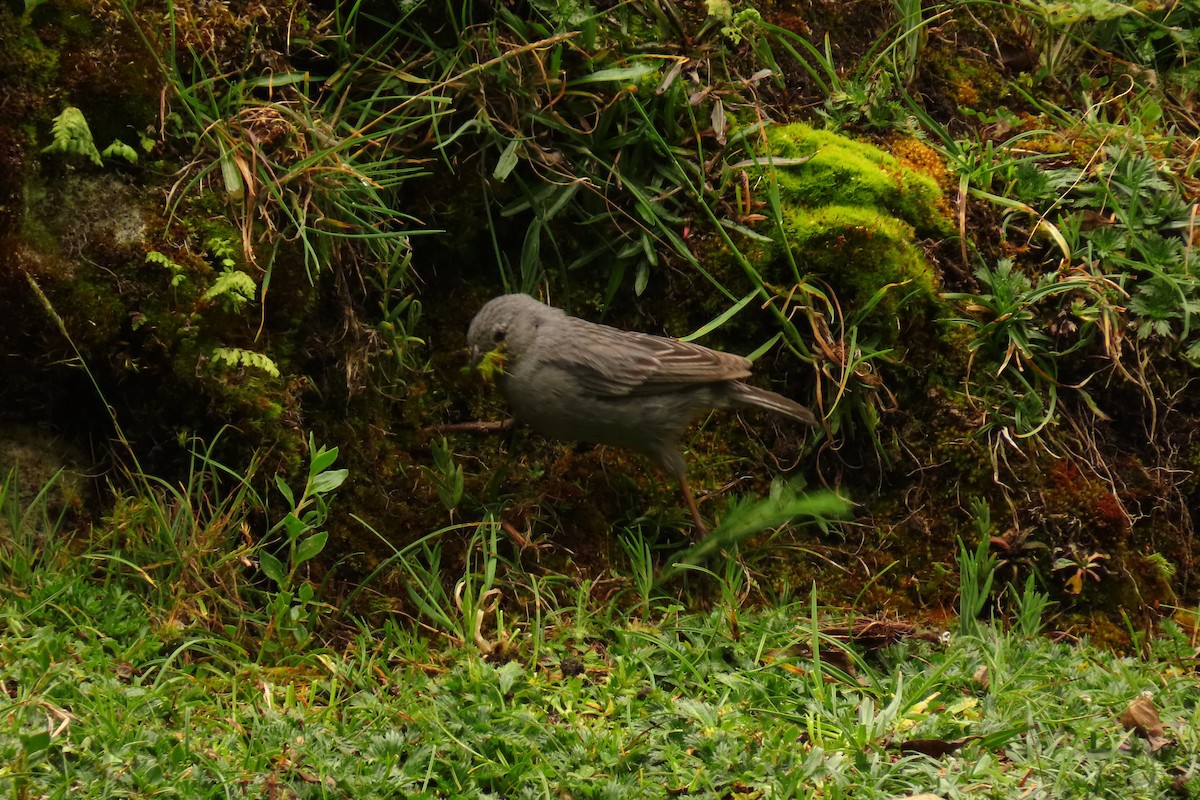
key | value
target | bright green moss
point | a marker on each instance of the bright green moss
(851, 215)
(841, 171)
(859, 250)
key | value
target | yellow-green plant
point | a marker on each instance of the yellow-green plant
(237, 357)
(446, 475)
(233, 287)
(73, 137)
(163, 260)
(293, 608)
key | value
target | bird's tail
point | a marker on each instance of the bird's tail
(745, 395)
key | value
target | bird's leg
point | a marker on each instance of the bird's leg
(701, 529)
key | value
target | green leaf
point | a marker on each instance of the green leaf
(1092, 406)
(311, 547)
(1075, 11)
(322, 460)
(721, 318)
(281, 79)
(285, 490)
(744, 231)
(624, 74)
(764, 347)
(231, 176)
(507, 675)
(122, 150)
(562, 195)
(508, 161)
(531, 248)
(328, 481)
(293, 525)
(747, 517)
(271, 567)
(998, 739)
(35, 743)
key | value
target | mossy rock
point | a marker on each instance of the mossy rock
(841, 171)
(851, 217)
(861, 252)
(42, 477)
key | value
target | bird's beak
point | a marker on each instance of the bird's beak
(489, 364)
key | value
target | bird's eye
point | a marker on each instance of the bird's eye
(499, 335)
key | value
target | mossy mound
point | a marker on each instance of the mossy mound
(834, 170)
(851, 216)
(863, 253)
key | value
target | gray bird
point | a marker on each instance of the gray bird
(580, 381)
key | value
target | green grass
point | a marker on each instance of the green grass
(101, 701)
(111, 686)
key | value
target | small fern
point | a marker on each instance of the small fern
(223, 250)
(163, 260)
(119, 148)
(234, 286)
(73, 137)
(235, 357)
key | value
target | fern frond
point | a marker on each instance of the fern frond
(119, 148)
(223, 250)
(236, 357)
(73, 137)
(234, 285)
(163, 260)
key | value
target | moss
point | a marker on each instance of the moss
(1152, 576)
(860, 250)
(45, 472)
(94, 314)
(851, 217)
(72, 53)
(973, 83)
(26, 63)
(917, 155)
(1088, 505)
(841, 171)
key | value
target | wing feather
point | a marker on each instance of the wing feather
(612, 362)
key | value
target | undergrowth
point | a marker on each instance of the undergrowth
(201, 636)
(109, 690)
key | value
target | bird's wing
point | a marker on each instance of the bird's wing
(612, 362)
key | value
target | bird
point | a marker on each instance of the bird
(574, 380)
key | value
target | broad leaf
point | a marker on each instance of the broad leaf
(311, 547)
(328, 481)
(271, 567)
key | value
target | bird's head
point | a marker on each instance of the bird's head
(504, 329)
